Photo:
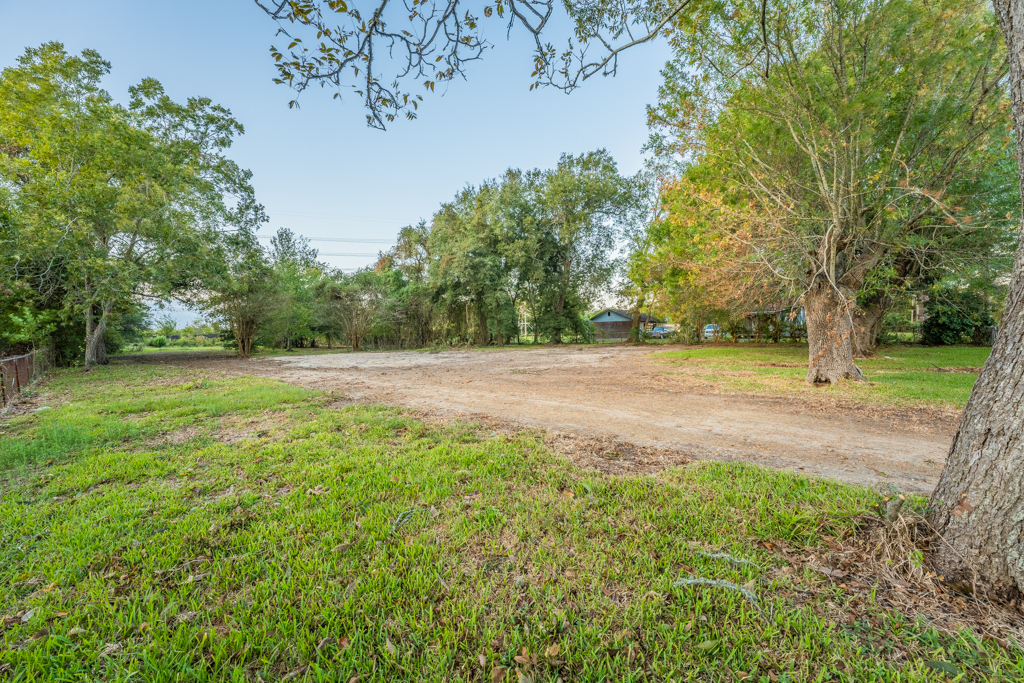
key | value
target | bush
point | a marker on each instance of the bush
(956, 316)
(158, 342)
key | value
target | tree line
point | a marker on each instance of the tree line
(107, 209)
(527, 252)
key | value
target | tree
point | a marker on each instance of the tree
(352, 47)
(297, 272)
(867, 146)
(358, 304)
(585, 203)
(243, 293)
(113, 204)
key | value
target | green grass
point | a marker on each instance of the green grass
(901, 376)
(158, 525)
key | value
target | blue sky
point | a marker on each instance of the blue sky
(318, 169)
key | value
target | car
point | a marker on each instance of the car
(659, 332)
(712, 331)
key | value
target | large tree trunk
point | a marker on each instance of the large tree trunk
(867, 322)
(95, 352)
(829, 334)
(978, 505)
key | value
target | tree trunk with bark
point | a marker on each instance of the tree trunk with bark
(867, 323)
(829, 334)
(482, 333)
(556, 332)
(95, 351)
(978, 505)
(245, 333)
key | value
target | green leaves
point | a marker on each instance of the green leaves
(109, 202)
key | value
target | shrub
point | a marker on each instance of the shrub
(956, 316)
(158, 342)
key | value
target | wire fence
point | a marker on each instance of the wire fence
(17, 373)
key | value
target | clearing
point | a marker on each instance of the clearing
(169, 524)
(677, 403)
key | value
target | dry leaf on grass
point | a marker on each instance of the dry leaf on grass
(498, 674)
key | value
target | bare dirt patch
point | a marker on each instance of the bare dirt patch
(621, 395)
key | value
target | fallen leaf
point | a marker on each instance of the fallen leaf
(521, 659)
(295, 674)
(708, 645)
(343, 548)
(27, 616)
(50, 588)
(943, 667)
(742, 675)
(688, 627)
(482, 660)
(433, 512)
(552, 651)
(390, 647)
(75, 632)
(61, 615)
(344, 642)
(772, 676)
(631, 656)
(524, 678)
(320, 645)
(568, 494)
(498, 674)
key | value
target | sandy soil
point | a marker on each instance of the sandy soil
(617, 402)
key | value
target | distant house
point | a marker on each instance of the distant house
(614, 323)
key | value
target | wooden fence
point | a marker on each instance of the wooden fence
(18, 372)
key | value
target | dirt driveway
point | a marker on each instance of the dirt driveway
(620, 393)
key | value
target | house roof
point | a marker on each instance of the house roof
(644, 317)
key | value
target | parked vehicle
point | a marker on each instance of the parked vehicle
(659, 333)
(712, 331)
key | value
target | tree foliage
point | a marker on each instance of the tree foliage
(859, 146)
(107, 205)
(380, 50)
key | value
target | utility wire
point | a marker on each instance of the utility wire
(338, 239)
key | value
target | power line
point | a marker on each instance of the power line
(339, 239)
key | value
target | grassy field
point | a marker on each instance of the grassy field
(158, 525)
(902, 376)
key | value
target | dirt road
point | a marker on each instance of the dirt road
(621, 393)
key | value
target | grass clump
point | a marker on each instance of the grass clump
(900, 376)
(208, 528)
